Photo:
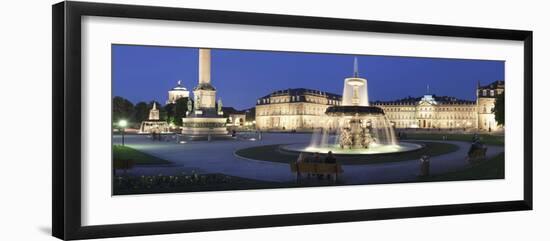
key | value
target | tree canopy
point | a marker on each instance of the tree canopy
(499, 109)
(122, 109)
(141, 112)
(135, 114)
(179, 110)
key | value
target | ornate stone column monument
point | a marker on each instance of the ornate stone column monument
(204, 119)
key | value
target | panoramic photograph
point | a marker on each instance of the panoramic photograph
(200, 119)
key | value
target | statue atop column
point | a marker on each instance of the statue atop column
(189, 105)
(220, 105)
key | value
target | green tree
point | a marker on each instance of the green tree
(180, 110)
(170, 110)
(122, 109)
(499, 109)
(141, 112)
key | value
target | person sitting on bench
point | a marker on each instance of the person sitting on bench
(317, 159)
(330, 159)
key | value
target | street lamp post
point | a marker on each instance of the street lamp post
(122, 125)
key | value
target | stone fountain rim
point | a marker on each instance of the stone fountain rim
(354, 109)
(419, 147)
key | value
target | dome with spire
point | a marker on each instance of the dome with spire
(179, 86)
(177, 93)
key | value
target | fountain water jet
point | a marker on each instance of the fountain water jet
(359, 127)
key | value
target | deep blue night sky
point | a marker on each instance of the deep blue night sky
(142, 73)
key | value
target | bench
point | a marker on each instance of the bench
(477, 154)
(316, 168)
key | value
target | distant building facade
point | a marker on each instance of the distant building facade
(431, 111)
(486, 99)
(234, 117)
(293, 109)
(301, 109)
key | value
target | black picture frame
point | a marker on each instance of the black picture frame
(66, 47)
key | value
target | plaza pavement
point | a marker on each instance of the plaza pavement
(218, 157)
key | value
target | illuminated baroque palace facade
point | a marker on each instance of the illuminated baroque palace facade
(302, 109)
(293, 109)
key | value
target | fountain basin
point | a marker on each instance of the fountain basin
(375, 149)
(354, 110)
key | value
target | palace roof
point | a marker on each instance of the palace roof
(446, 100)
(304, 91)
(231, 110)
(499, 84)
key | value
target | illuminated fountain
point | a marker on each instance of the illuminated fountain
(355, 127)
